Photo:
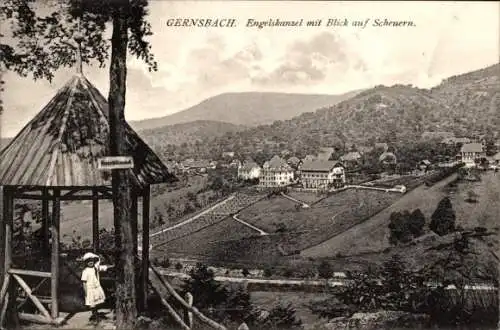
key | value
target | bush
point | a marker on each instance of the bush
(245, 272)
(268, 272)
(471, 197)
(178, 266)
(417, 223)
(443, 219)
(280, 317)
(325, 270)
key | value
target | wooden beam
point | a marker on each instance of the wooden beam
(28, 196)
(9, 222)
(29, 272)
(45, 221)
(4, 309)
(95, 221)
(23, 301)
(21, 240)
(188, 316)
(35, 318)
(174, 314)
(135, 233)
(2, 234)
(135, 229)
(158, 278)
(54, 228)
(33, 298)
(63, 198)
(146, 201)
(3, 292)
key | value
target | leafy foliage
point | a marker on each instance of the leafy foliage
(443, 218)
(393, 287)
(281, 317)
(404, 226)
(325, 270)
(45, 36)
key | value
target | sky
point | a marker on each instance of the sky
(196, 63)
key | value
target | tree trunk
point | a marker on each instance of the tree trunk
(126, 308)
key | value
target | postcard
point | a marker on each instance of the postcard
(250, 164)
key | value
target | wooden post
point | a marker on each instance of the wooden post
(45, 221)
(135, 234)
(188, 316)
(9, 222)
(8, 215)
(54, 228)
(145, 245)
(2, 234)
(135, 229)
(95, 221)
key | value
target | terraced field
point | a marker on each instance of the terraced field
(299, 228)
(205, 243)
(207, 218)
(325, 218)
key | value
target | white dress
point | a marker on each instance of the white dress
(95, 293)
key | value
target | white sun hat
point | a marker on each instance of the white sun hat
(89, 255)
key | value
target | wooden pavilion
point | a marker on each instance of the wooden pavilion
(54, 158)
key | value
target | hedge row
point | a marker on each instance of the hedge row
(442, 174)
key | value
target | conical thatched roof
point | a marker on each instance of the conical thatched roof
(61, 144)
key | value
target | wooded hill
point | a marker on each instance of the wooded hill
(178, 134)
(246, 108)
(462, 104)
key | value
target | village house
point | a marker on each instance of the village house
(495, 160)
(470, 152)
(454, 141)
(364, 149)
(437, 135)
(276, 173)
(173, 165)
(322, 174)
(235, 163)
(197, 166)
(388, 159)
(382, 145)
(351, 159)
(249, 170)
(285, 153)
(424, 165)
(228, 154)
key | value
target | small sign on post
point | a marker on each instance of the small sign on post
(115, 163)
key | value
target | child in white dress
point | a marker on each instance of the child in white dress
(94, 294)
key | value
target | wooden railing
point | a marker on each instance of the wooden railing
(164, 289)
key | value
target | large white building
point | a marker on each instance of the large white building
(249, 170)
(470, 152)
(322, 174)
(276, 173)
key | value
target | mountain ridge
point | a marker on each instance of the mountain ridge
(246, 108)
(466, 104)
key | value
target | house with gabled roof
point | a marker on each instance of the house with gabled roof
(351, 159)
(470, 152)
(456, 141)
(276, 173)
(322, 174)
(249, 170)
